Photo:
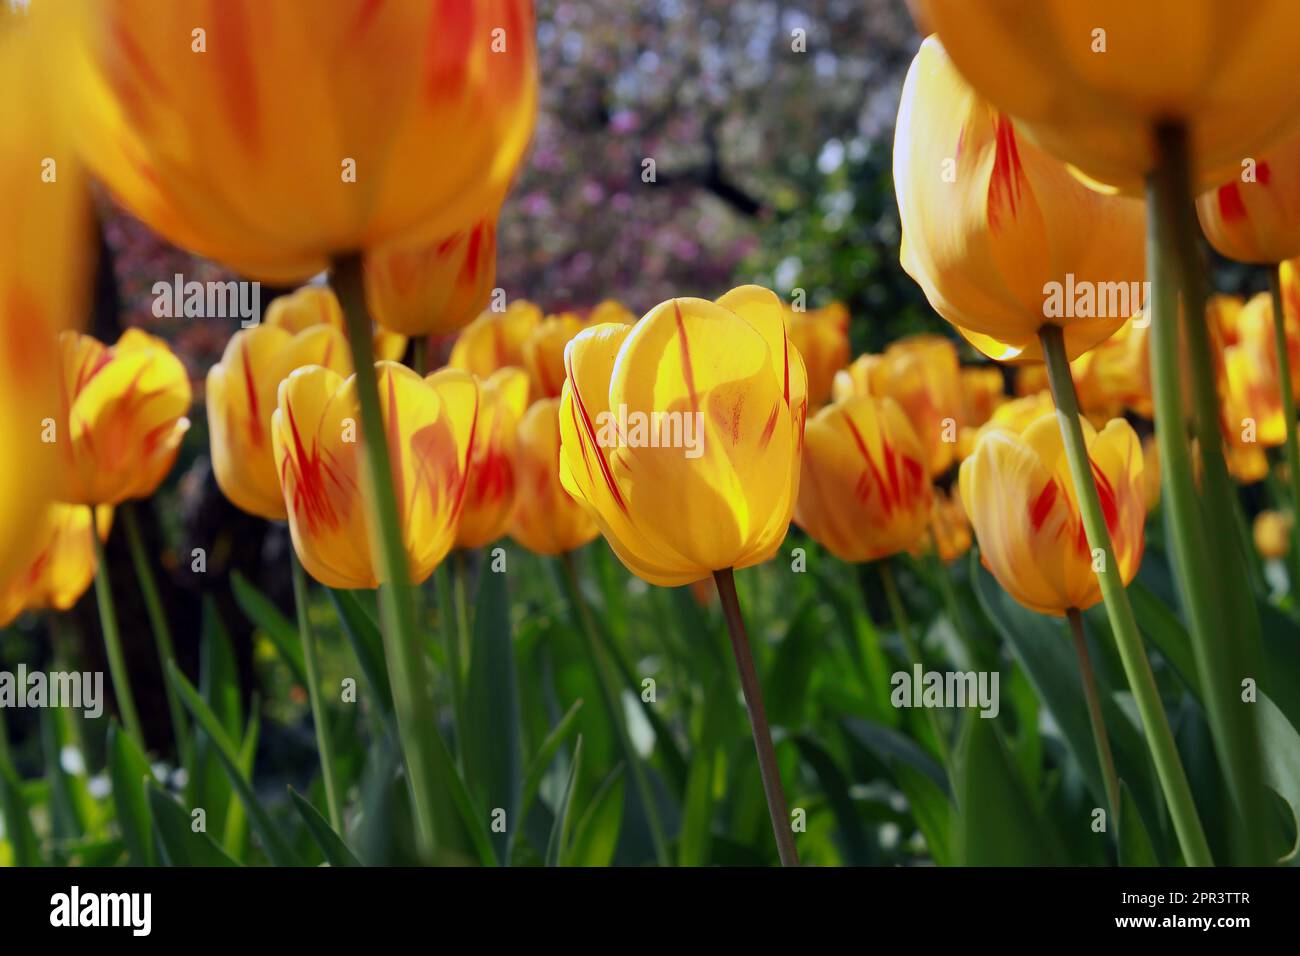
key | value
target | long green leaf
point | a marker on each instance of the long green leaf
(1135, 847)
(595, 838)
(281, 632)
(128, 767)
(277, 849)
(330, 843)
(367, 644)
(550, 746)
(178, 843)
(17, 817)
(559, 838)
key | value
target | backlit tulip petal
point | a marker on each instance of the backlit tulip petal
(547, 520)
(298, 135)
(1017, 490)
(1090, 80)
(241, 397)
(429, 426)
(865, 493)
(682, 434)
(433, 288)
(1255, 215)
(495, 340)
(543, 352)
(822, 338)
(1000, 236)
(124, 416)
(314, 305)
(490, 496)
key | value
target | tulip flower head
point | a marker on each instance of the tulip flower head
(948, 533)
(433, 288)
(1255, 216)
(490, 496)
(1091, 81)
(314, 305)
(299, 134)
(242, 391)
(547, 519)
(865, 492)
(722, 374)
(429, 427)
(1272, 534)
(1001, 237)
(495, 340)
(1016, 488)
(822, 338)
(64, 564)
(124, 409)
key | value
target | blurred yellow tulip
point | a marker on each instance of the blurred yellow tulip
(610, 310)
(1019, 413)
(982, 390)
(1001, 237)
(490, 497)
(429, 427)
(1151, 471)
(242, 391)
(948, 533)
(273, 137)
(318, 305)
(44, 262)
(1017, 490)
(1255, 216)
(1092, 80)
(1249, 382)
(64, 564)
(822, 338)
(543, 352)
(1272, 534)
(547, 520)
(495, 340)
(682, 434)
(433, 288)
(864, 493)
(123, 416)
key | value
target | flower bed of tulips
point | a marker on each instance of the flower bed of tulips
(682, 587)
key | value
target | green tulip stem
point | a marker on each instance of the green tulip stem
(420, 355)
(113, 640)
(1288, 410)
(162, 633)
(582, 619)
(903, 626)
(452, 624)
(1169, 768)
(768, 768)
(412, 702)
(1099, 735)
(319, 718)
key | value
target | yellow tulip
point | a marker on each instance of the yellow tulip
(433, 288)
(1151, 471)
(1249, 382)
(999, 235)
(864, 493)
(1255, 216)
(948, 533)
(1017, 414)
(429, 427)
(543, 352)
(43, 273)
(610, 310)
(1017, 490)
(314, 305)
(242, 391)
(982, 390)
(495, 340)
(1272, 534)
(682, 434)
(123, 416)
(490, 497)
(298, 133)
(64, 564)
(547, 520)
(859, 378)
(1092, 80)
(822, 338)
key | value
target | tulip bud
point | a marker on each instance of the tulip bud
(124, 416)
(1272, 534)
(948, 533)
(242, 391)
(433, 288)
(547, 519)
(314, 305)
(1000, 236)
(1017, 490)
(429, 427)
(490, 497)
(682, 434)
(495, 340)
(864, 493)
(822, 338)
(1255, 215)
